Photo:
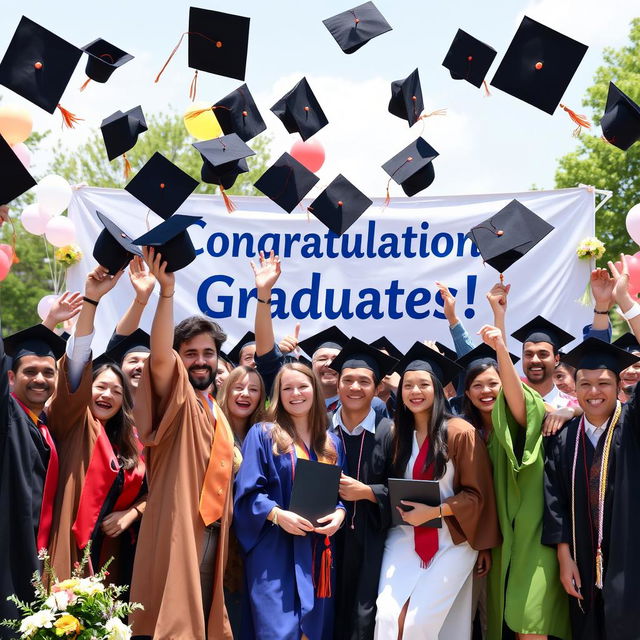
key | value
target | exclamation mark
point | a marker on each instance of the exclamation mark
(471, 294)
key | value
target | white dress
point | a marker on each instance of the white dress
(440, 594)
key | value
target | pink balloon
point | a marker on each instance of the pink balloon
(60, 231)
(7, 249)
(633, 223)
(23, 153)
(44, 306)
(5, 265)
(34, 220)
(310, 154)
(633, 263)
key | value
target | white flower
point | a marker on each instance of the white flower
(88, 586)
(39, 620)
(117, 629)
(60, 600)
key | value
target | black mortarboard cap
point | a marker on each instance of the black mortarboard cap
(224, 158)
(138, 341)
(357, 354)
(104, 59)
(218, 42)
(300, 111)
(468, 58)
(170, 238)
(621, 120)
(330, 338)
(238, 113)
(16, 179)
(538, 65)
(593, 353)
(161, 185)
(384, 344)
(34, 341)
(508, 235)
(412, 168)
(481, 354)
(352, 29)
(222, 355)
(113, 249)
(447, 352)
(339, 205)
(286, 182)
(542, 330)
(38, 64)
(406, 98)
(628, 342)
(423, 358)
(234, 354)
(120, 131)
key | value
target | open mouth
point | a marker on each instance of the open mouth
(104, 405)
(245, 404)
(595, 402)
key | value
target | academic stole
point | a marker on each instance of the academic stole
(425, 538)
(321, 583)
(602, 488)
(50, 480)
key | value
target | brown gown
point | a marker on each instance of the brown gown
(178, 432)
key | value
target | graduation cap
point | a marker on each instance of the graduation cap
(170, 238)
(406, 98)
(300, 111)
(628, 342)
(137, 342)
(482, 354)
(16, 179)
(161, 185)
(384, 344)
(593, 353)
(238, 113)
(286, 182)
(508, 235)
(120, 133)
(113, 249)
(538, 67)
(447, 352)
(104, 59)
(38, 65)
(357, 354)
(34, 341)
(339, 205)
(423, 358)
(223, 356)
(331, 338)
(412, 168)
(352, 29)
(468, 58)
(223, 159)
(621, 120)
(247, 339)
(542, 330)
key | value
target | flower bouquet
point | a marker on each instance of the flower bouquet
(591, 249)
(68, 255)
(78, 608)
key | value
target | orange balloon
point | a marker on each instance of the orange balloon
(15, 123)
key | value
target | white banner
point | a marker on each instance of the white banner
(377, 279)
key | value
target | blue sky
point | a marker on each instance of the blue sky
(495, 144)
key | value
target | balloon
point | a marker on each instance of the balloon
(53, 194)
(633, 263)
(23, 153)
(633, 223)
(34, 220)
(60, 231)
(310, 154)
(5, 266)
(44, 306)
(204, 126)
(15, 123)
(7, 249)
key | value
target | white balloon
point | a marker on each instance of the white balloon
(34, 220)
(44, 305)
(53, 194)
(60, 231)
(633, 223)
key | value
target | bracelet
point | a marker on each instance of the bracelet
(144, 304)
(90, 301)
(275, 516)
(634, 312)
(169, 296)
(138, 512)
(268, 301)
(600, 313)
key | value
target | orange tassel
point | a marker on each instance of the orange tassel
(196, 113)
(194, 87)
(84, 84)
(387, 200)
(173, 53)
(323, 588)
(227, 200)
(579, 119)
(485, 86)
(127, 166)
(437, 112)
(68, 118)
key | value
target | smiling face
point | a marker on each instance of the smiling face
(34, 381)
(247, 356)
(356, 389)
(564, 381)
(484, 389)
(631, 375)
(417, 391)
(244, 396)
(296, 393)
(106, 395)
(538, 361)
(200, 356)
(132, 365)
(596, 390)
(320, 364)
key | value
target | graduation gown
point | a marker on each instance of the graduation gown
(279, 567)
(616, 607)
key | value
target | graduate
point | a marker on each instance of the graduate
(592, 480)
(426, 578)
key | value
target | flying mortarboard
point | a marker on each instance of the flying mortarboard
(621, 120)
(161, 185)
(593, 353)
(34, 341)
(339, 205)
(16, 179)
(384, 344)
(286, 182)
(352, 29)
(412, 168)
(170, 238)
(357, 354)
(542, 330)
(38, 65)
(330, 338)
(104, 59)
(406, 98)
(423, 358)
(238, 113)
(138, 342)
(482, 354)
(469, 59)
(247, 339)
(113, 249)
(300, 111)
(508, 235)
(628, 342)
(120, 133)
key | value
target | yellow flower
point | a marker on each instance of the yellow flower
(67, 625)
(65, 584)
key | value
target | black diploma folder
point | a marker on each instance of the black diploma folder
(423, 491)
(315, 490)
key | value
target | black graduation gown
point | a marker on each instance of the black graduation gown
(24, 456)
(359, 548)
(614, 613)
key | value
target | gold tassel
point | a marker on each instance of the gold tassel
(127, 167)
(599, 568)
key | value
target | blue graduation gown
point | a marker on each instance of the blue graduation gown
(278, 566)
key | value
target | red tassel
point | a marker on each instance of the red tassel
(68, 118)
(227, 200)
(323, 588)
(84, 84)
(485, 86)
(579, 119)
(193, 89)
(127, 166)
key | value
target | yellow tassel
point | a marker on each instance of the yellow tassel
(599, 568)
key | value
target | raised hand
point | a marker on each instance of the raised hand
(158, 269)
(143, 281)
(432, 345)
(99, 282)
(492, 336)
(449, 303)
(267, 273)
(602, 285)
(497, 297)
(290, 342)
(65, 307)
(621, 283)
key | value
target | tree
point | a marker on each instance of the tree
(598, 163)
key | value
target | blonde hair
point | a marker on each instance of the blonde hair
(223, 395)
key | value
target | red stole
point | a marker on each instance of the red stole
(50, 481)
(425, 538)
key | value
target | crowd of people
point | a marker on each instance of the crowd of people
(178, 460)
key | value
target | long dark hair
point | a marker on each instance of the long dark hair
(402, 440)
(119, 427)
(469, 411)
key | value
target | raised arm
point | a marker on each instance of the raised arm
(628, 305)
(497, 298)
(461, 340)
(64, 307)
(266, 274)
(143, 283)
(602, 289)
